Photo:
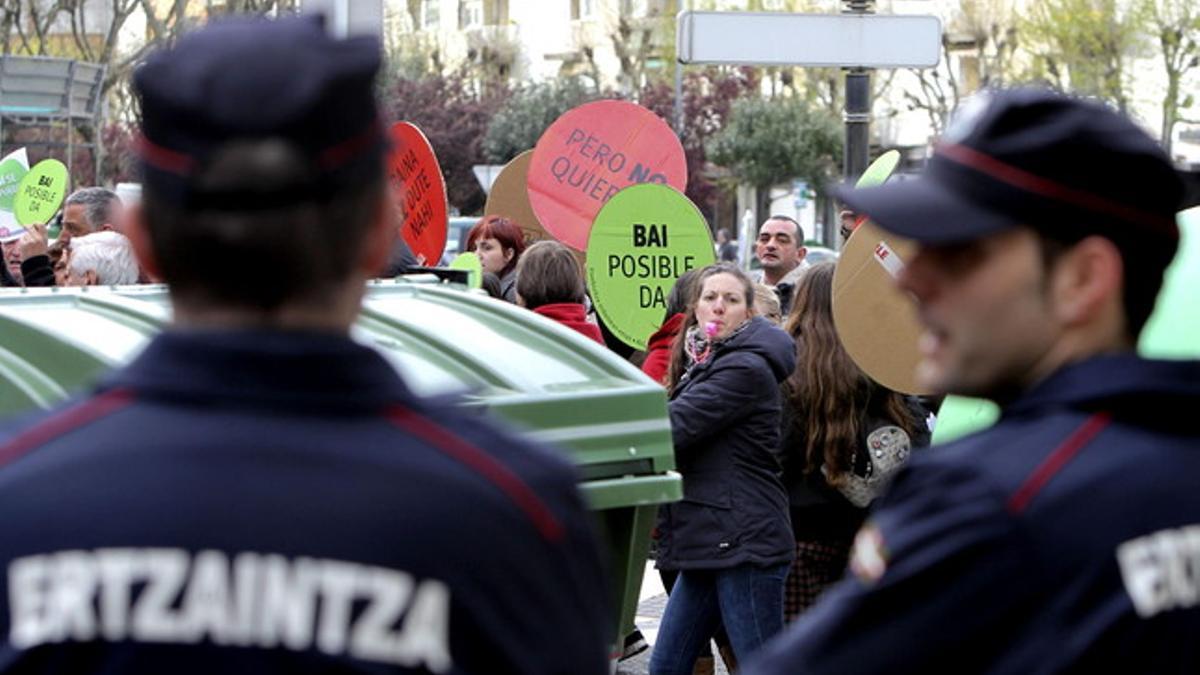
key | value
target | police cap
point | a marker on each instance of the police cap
(1037, 158)
(260, 79)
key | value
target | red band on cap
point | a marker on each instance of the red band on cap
(162, 158)
(1030, 182)
(332, 157)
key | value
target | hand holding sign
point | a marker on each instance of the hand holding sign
(34, 241)
(591, 153)
(420, 192)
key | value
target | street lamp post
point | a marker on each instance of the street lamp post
(858, 107)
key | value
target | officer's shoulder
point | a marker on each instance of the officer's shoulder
(28, 428)
(1003, 455)
(544, 468)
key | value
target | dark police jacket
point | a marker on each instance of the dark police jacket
(725, 425)
(265, 502)
(1060, 540)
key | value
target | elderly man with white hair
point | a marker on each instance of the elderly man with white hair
(101, 259)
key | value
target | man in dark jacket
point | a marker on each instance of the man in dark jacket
(1061, 539)
(257, 492)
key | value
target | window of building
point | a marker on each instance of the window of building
(633, 8)
(470, 14)
(583, 9)
(495, 12)
(430, 14)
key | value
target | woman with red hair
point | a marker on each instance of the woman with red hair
(498, 242)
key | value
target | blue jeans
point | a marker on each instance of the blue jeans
(747, 599)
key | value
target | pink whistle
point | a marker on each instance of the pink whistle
(710, 329)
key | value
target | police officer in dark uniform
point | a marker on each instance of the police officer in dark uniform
(258, 493)
(1067, 537)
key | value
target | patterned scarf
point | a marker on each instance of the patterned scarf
(698, 347)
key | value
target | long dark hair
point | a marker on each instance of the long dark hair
(678, 358)
(829, 395)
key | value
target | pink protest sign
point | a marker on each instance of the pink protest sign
(591, 153)
(420, 193)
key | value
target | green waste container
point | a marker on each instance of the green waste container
(557, 385)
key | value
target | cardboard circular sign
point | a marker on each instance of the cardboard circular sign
(509, 198)
(420, 192)
(877, 322)
(1170, 333)
(591, 153)
(40, 192)
(470, 262)
(643, 239)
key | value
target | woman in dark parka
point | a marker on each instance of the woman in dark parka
(729, 537)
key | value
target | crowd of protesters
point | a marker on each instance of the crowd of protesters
(752, 463)
(785, 446)
(90, 249)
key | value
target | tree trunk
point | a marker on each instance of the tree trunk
(1170, 109)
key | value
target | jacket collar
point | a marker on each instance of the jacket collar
(276, 367)
(1114, 380)
(572, 312)
(761, 337)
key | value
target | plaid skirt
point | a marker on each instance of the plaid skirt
(817, 566)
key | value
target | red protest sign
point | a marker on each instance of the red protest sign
(420, 193)
(591, 153)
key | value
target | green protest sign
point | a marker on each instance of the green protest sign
(13, 168)
(1170, 333)
(1172, 329)
(469, 262)
(880, 170)
(960, 415)
(40, 192)
(642, 240)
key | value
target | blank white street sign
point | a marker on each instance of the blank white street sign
(348, 17)
(779, 39)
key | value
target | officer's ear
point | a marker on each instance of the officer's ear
(385, 224)
(1086, 283)
(139, 237)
